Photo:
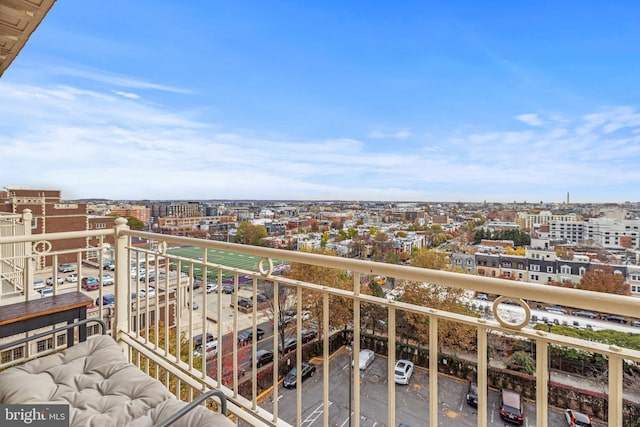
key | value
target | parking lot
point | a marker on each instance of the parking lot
(412, 400)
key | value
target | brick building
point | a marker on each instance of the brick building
(51, 215)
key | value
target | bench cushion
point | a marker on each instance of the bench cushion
(100, 386)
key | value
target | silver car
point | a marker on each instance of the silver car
(366, 357)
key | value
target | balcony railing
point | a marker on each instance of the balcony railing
(156, 330)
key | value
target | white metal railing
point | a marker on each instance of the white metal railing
(144, 325)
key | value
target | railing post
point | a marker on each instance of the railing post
(29, 275)
(121, 322)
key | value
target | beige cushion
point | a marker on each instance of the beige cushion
(100, 386)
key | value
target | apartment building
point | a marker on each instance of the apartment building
(606, 232)
(530, 221)
(141, 212)
(50, 215)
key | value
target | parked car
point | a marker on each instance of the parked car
(246, 336)
(308, 335)
(472, 394)
(227, 289)
(107, 299)
(263, 357)
(289, 345)
(635, 323)
(366, 357)
(292, 377)
(211, 287)
(482, 297)
(511, 409)
(38, 284)
(46, 292)
(245, 302)
(49, 281)
(583, 313)
(66, 268)
(194, 305)
(616, 318)
(197, 339)
(72, 278)
(210, 348)
(577, 419)
(90, 283)
(403, 371)
(107, 279)
(151, 292)
(109, 265)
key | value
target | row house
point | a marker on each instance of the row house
(539, 266)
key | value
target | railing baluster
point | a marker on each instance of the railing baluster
(481, 377)
(433, 371)
(542, 382)
(325, 359)
(615, 390)
(391, 357)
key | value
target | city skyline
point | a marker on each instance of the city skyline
(361, 101)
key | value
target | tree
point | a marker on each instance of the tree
(133, 222)
(523, 362)
(452, 335)
(341, 308)
(250, 234)
(285, 303)
(601, 278)
(430, 258)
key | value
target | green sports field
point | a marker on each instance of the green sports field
(230, 259)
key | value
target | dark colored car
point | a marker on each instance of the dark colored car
(263, 357)
(107, 299)
(197, 339)
(472, 394)
(245, 302)
(511, 409)
(290, 344)
(227, 289)
(308, 335)
(246, 336)
(291, 378)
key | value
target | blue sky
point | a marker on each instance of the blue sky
(376, 100)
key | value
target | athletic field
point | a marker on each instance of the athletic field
(229, 259)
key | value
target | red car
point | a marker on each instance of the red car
(90, 283)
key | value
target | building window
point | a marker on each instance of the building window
(46, 344)
(12, 354)
(549, 269)
(61, 340)
(534, 267)
(101, 225)
(94, 330)
(581, 271)
(565, 269)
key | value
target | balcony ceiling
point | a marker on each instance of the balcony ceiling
(18, 20)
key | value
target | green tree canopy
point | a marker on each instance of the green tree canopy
(250, 234)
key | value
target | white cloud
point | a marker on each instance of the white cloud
(530, 119)
(90, 143)
(399, 134)
(126, 94)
